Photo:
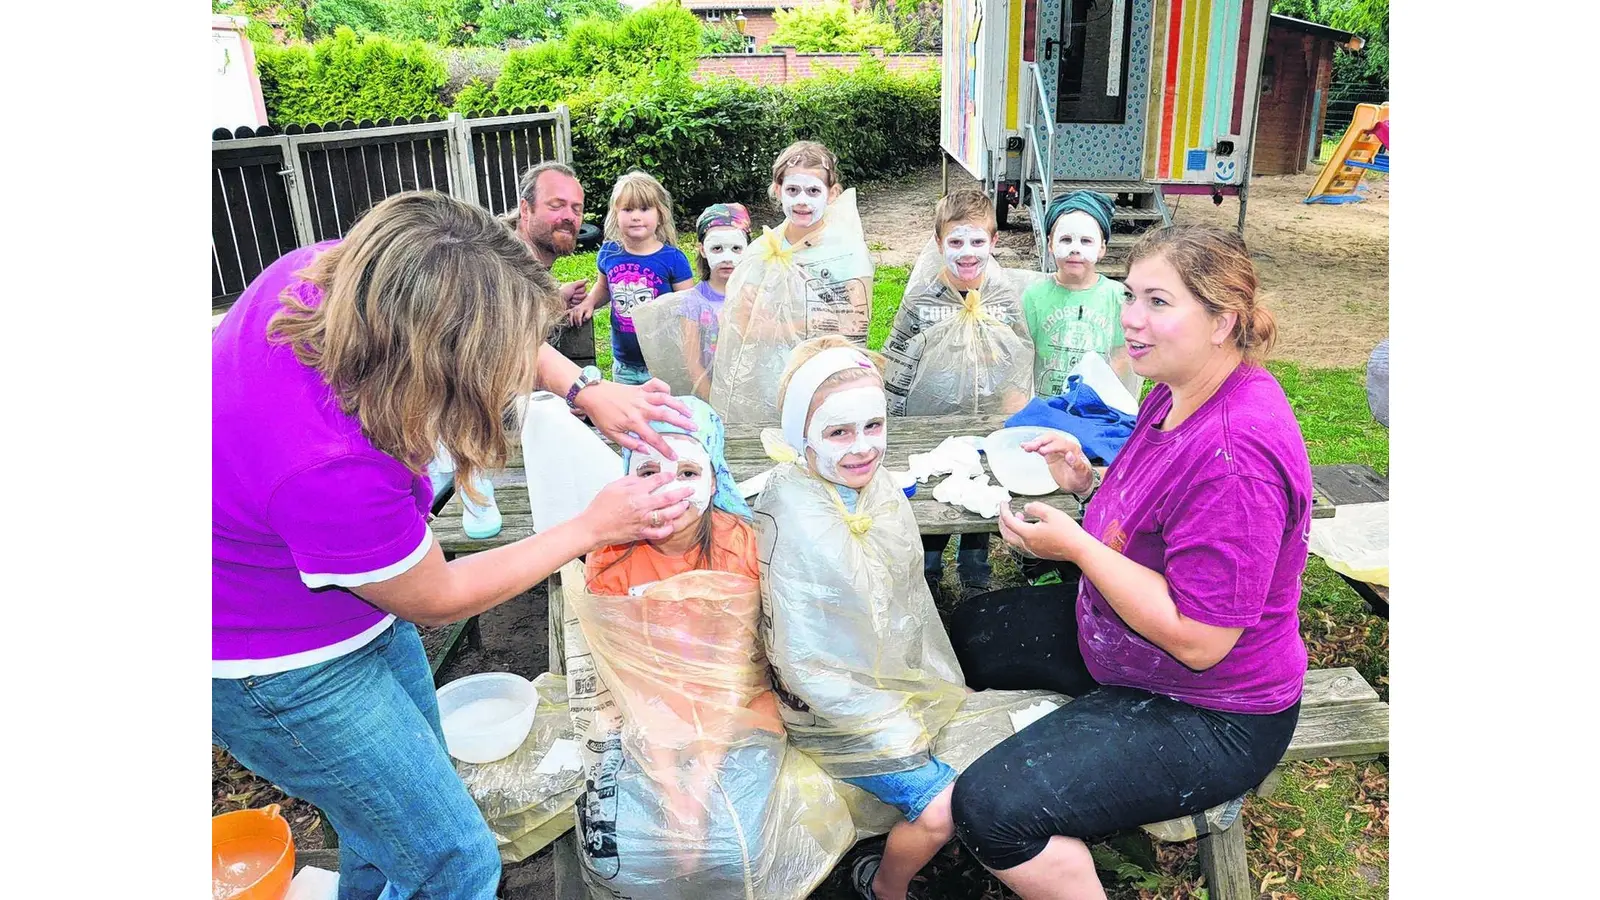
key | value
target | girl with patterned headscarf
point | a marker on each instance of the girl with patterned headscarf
(679, 331)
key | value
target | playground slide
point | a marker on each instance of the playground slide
(1360, 149)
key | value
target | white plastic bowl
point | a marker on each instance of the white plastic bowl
(486, 716)
(1018, 470)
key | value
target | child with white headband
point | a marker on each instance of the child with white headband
(862, 666)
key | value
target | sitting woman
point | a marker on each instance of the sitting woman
(694, 792)
(1183, 648)
(862, 665)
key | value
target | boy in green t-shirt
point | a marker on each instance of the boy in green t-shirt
(1079, 309)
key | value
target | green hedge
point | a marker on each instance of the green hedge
(348, 78)
(707, 141)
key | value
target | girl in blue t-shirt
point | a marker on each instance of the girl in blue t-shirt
(639, 261)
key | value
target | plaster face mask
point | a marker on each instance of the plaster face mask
(1077, 237)
(807, 192)
(966, 251)
(849, 423)
(724, 246)
(691, 469)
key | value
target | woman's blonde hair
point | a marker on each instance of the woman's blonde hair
(639, 190)
(1217, 270)
(804, 155)
(429, 325)
(809, 348)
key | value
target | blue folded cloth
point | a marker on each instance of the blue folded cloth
(1080, 412)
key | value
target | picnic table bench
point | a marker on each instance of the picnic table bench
(1351, 483)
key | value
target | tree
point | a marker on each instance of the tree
(918, 23)
(1367, 18)
(832, 28)
(721, 37)
(529, 20)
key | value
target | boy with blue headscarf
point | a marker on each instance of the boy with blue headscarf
(1078, 310)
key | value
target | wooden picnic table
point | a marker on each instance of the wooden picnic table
(747, 458)
(1346, 484)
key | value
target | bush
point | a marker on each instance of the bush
(880, 124)
(348, 78)
(832, 27)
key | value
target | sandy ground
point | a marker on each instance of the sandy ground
(1324, 269)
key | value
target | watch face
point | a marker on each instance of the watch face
(591, 374)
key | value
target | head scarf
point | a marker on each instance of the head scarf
(1096, 204)
(723, 215)
(709, 432)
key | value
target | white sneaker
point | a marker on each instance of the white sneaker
(480, 522)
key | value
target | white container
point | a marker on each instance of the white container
(1019, 471)
(486, 716)
(566, 463)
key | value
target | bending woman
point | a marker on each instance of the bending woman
(333, 377)
(1183, 650)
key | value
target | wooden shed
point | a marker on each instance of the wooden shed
(1295, 77)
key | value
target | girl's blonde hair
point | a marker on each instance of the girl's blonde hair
(430, 321)
(809, 348)
(804, 155)
(1217, 270)
(639, 190)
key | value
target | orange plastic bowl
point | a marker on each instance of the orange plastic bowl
(252, 855)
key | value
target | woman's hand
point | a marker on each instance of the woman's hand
(1055, 535)
(626, 511)
(580, 314)
(1064, 455)
(624, 412)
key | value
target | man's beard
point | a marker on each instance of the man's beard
(555, 241)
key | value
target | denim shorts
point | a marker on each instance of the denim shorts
(623, 373)
(910, 791)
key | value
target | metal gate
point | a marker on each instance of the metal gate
(272, 192)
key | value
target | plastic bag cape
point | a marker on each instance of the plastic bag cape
(690, 789)
(526, 809)
(952, 355)
(675, 342)
(779, 297)
(861, 660)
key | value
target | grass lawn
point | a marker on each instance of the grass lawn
(1324, 835)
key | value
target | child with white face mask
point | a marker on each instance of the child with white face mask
(678, 331)
(959, 344)
(863, 669)
(807, 277)
(1078, 310)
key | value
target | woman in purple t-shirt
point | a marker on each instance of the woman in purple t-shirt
(1183, 651)
(333, 377)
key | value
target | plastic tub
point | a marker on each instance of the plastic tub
(1018, 470)
(486, 716)
(252, 855)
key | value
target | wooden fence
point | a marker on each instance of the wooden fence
(273, 191)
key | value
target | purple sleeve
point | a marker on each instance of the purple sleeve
(350, 521)
(1222, 548)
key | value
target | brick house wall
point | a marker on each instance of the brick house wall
(784, 65)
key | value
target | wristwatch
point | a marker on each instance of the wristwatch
(589, 375)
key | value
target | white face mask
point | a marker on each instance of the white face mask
(856, 407)
(807, 190)
(969, 245)
(689, 453)
(1077, 233)
(724, 245)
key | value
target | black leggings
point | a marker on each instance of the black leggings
(1113, 758)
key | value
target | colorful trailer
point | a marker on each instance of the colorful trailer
(1141, 99)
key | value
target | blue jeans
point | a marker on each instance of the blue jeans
(624, 373)
(359, 738)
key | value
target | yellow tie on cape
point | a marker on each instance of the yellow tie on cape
(770, 246)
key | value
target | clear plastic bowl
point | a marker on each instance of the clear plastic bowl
(486, 716)
(1018, 470)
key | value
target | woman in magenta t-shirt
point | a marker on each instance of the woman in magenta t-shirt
(1183, 651)
(332, 378)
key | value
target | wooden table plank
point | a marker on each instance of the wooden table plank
(1350, 483)
(747, 457)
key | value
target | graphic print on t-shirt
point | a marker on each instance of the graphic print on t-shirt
(1072, 332)
(631, 284)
